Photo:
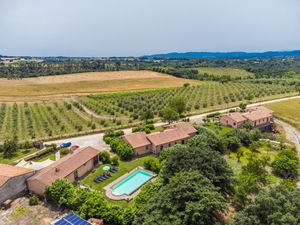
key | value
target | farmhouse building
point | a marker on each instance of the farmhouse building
(259, 117)
(173, 134)
(72, 167)
(13, 181)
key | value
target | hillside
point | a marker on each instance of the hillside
(269, 54)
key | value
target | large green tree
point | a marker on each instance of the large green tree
(251, 179)
(278, 206)
(189, 198)
(170, 115)
(10, 147)
(178, 104)
(203, 159)
(207, 137)
(286, 164)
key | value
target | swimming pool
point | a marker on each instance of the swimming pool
(132, 182)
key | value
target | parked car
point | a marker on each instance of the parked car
(66, 145)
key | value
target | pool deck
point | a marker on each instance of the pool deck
(108, 189)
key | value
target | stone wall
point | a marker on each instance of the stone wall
(14, 187)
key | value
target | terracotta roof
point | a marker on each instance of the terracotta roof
(65, 166)
(8, 171)
(261, 109)
(187, 127)
(256, 115)
(137, 140)
(236, 116)
(167, 136)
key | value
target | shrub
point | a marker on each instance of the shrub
(104, 156)
(135, 129)
(152, 164)
(122, 148)
(65, 151)
(114, 160)
(147, 130)
(34, 200)
(150, 126)
(118, 133)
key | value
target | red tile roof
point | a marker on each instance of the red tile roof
(65, 166)
(137, 140)
(167, 136)
(256, 115)
(236, 116)
(260, 108)
(8, 171)
(187, 127)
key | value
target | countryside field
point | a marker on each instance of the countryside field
(288, 111)
(232, 72)
(54, 120)
(202, 98)
(62, 86)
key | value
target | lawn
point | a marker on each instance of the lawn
(123, 168)
(19, 154)
(288, 111)
(217, 71)
(219, 129)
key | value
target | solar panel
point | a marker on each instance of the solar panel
(71, 219)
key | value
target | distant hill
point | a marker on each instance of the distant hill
(269, 54)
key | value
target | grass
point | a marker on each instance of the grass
(123, 168)
(218, 129)
(62, 86)
(288, 111)
(19, 154)
(216, 71)
(263, 151)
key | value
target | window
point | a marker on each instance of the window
(161, 147)
(182, 142)
(76, 174)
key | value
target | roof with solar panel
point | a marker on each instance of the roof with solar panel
(71, 219)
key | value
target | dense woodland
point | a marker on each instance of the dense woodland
(267, 68)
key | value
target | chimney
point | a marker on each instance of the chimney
(57, 155)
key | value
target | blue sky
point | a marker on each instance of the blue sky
(139, 27)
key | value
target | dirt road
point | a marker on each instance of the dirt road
(292, 134)
(96, 140)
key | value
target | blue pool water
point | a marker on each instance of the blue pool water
(132, 182)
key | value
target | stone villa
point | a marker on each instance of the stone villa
(173, 134)
(259, 117)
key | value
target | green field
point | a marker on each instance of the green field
(288, 111)
(62, 119)
(216, 71)
(202, 98)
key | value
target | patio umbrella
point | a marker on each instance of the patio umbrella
(106, 168)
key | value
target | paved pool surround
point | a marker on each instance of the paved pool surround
(114, 194)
